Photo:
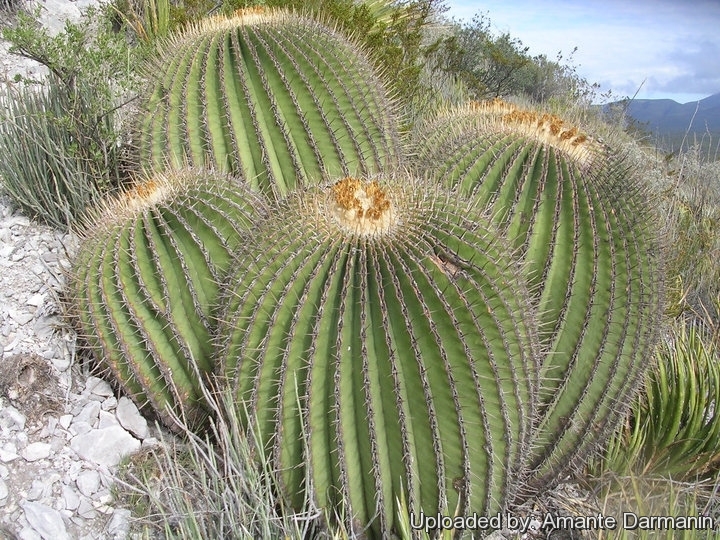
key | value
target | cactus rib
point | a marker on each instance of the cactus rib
(338, 329)
(146, 283)
(276, 97)
(580, 221)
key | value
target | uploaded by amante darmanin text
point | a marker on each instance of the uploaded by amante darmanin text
(550, 522)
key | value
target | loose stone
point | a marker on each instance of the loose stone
(45, 520)
(70, 498)
(65, 420)
(99, 387)
(88, 482)
(105, 446)
(119, 526)
(36, 451)
(130, 418)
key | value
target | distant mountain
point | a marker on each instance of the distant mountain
(666, 115)
(669, 120)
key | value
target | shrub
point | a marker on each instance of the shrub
(61, 145)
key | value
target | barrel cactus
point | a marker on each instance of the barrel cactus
(276, 97)
(582, 224)
(378, 333)
(145, 283)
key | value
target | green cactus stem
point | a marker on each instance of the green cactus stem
(582, 223)
(380, 335)
(145, 283)
(274, 96)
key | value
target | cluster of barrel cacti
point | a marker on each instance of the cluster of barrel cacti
(454, 318)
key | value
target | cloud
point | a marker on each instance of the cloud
(698, 67)
(665, 48)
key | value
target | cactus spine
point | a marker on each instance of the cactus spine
(146, 280)
(381, 337)
(276, 97)
(453, 346)
(582, 225)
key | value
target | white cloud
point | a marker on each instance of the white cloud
(666, 48)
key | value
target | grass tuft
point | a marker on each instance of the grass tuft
(216, 485)
(51, 163)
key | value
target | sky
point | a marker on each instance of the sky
(656, 48)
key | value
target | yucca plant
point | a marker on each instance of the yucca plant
(146, 279)
(380, 335)
(55, 159)
(274, 96)
(581, 222)
(151, 22)
(673, 428)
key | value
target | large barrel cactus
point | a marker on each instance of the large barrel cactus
(146, 280)
(583, 226)
(379, 335)
(274, 96)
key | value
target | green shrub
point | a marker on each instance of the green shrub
(60, 146)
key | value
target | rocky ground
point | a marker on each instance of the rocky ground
(63, 430)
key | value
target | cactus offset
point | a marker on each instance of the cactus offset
(581, 222)
(380, 335)
(274, 96)
(146, 280)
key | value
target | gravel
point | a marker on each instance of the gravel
(63, 428)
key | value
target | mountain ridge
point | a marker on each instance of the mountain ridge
(664, 116)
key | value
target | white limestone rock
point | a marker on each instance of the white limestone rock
(105, 446)
(131, 419)
(35, 451)
(45, 520)
(88, 482)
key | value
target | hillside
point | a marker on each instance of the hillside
(669, 121)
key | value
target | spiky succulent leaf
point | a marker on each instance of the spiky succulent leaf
(145, 283)
(275, 96)
(582, 224)
(381, 336)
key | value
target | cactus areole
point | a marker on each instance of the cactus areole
(377, 333)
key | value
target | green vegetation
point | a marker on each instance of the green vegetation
(278, 98)
(579, 219)
(61, 146)
(673, 428)
(489, 66)
(51, 163)
(395, 336)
